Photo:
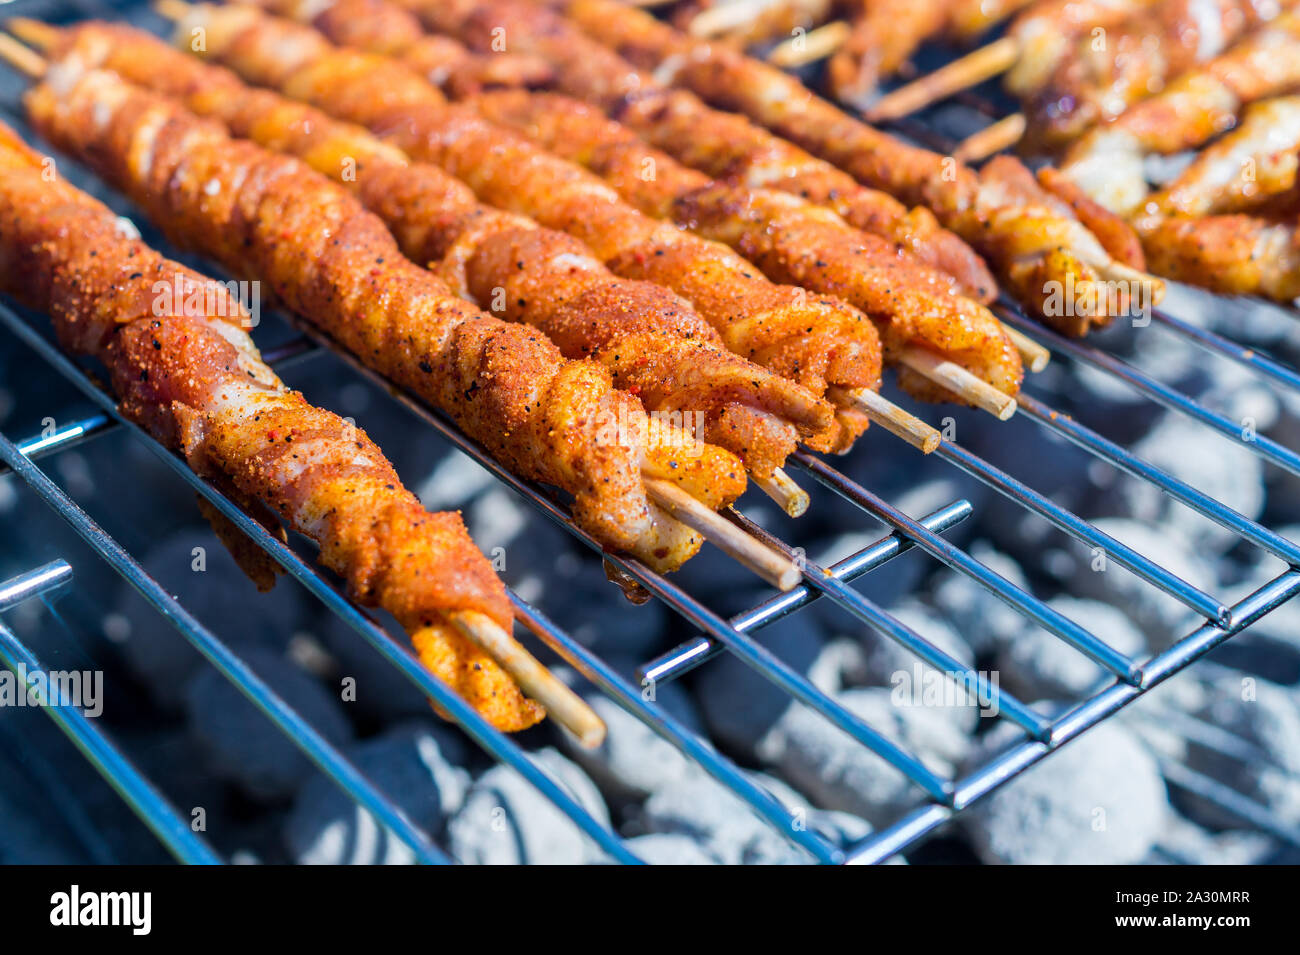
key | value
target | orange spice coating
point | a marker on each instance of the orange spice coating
(336, 265)
(194, 379)
(1205, 101)
(458, 71)
(1031, 238)
(1098, 81)
(813, 340)
(1232, 254)
(1048, 29)
(724, 145)
(652, 342)
(789, 239)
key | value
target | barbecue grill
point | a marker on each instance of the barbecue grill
(938, 799)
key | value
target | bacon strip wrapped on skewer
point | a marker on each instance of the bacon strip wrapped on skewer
(816, 341)
(652, 342)
(789, 239)
(459, 72)
(722, 144)
(334, 264)
(1107, 163)
(1101, 78)
(1232, 254)
(1030, 235)
(193, 378)
(1252, 165)
(1045, 33)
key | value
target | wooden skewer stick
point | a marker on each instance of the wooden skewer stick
(726, 17)
(1034, 355)
(993, 138)
(957, 379)
(963, 73)
(1116, 271)
(812, 46)
(781, 488)
(538, 683)
(776, 569)
(28, 62)
(34, 33)
(889, 416)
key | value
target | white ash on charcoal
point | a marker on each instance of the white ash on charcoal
(841, 828)
(718, 821)
(841, 664)
(1228, 472)
(244, 747)
(1183, 842)
(634, 761)
(453, 482)
(1035, 664)
(739, 705)
(1099, 800)
(417, 765)
(880, 659)
(672, 696)
(506, 821)
(1090, 572)
(725, 828)
(1246, 320)
(837, 772)
(1283, 486)
(669, 848)
(1157, 718)
(883, 586)
(1265, 654)
(1252, 745)
(194, 566)
(914, 484)
(980, 617)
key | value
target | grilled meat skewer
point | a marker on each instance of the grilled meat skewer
(817, 341)
(722, 144)
(884, 34)
(653, 343)
(1253, 164)
(1199, 105)
(1100, 80)
(335, 265)
(1032, 48)
(193, 378)
(789, 239)
(1031, 236)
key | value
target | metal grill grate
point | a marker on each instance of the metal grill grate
(938, 798)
